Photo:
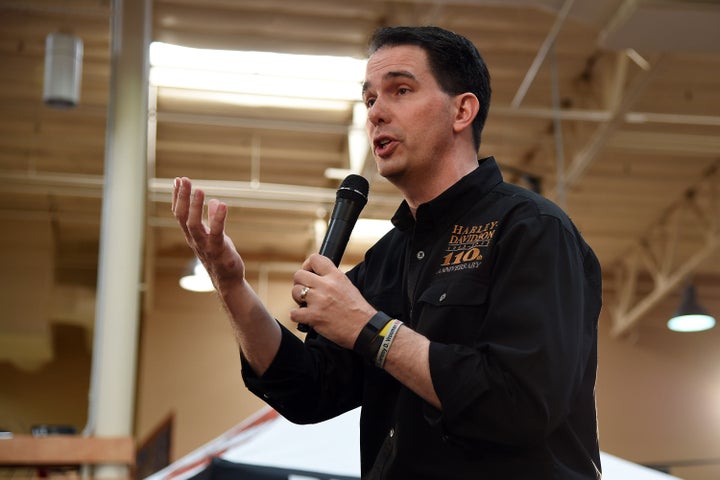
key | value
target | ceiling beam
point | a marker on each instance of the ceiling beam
(544, 113)
(587, 155)
(658, 144)
(247, 194)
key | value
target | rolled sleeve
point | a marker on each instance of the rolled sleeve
(307, 382)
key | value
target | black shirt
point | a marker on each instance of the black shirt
(507, 291)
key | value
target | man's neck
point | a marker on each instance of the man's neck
(417, 193)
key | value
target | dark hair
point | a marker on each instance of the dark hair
(454, 61)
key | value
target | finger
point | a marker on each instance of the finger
(176, 187)
(194, 218)
(300, 293)
(181, 199)
(217, 213)
(301, 315)
(305, 278)
(319, 264)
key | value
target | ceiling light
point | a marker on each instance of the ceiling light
(263, 78)
(690, 316)
(196, 278)
(231, 98)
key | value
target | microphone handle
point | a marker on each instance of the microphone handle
(350, 200)
(333, 247)
(336, 239)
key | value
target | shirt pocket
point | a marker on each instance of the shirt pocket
(453, 311)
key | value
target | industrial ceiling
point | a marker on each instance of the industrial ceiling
(612, 108)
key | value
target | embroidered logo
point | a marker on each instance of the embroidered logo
(464, 246)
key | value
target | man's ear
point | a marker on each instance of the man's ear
(467, 106)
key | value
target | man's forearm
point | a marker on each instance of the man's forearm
(408, 361)
(256, 331)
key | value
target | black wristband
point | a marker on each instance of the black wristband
(365, 343)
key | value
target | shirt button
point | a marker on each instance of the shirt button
(420, 255)
(442, 297)
(392, 432)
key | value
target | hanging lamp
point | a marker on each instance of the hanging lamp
(690, 315)
(195, 278)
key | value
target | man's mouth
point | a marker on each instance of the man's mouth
(384, 146)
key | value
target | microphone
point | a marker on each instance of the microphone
(350, 199)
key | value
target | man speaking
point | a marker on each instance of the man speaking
(468, 335)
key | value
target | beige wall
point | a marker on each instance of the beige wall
(54, 394)
(659, 398)
(190, 364)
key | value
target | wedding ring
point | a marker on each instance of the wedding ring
(304, 292)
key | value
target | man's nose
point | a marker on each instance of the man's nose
(377, 114)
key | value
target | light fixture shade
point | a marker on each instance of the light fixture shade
(63, 70)
(690, 316)
(195, 278)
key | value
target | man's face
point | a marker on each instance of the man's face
(409, 117)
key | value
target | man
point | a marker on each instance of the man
(469, 333)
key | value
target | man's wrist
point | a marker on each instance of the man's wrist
(386, 338)
(368, 342)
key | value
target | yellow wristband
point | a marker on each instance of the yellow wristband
(386, 342)
(385, 330)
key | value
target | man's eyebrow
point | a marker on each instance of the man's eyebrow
(390, 75)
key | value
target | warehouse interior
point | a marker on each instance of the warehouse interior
(610, 109)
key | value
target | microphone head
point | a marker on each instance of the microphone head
(355, 188)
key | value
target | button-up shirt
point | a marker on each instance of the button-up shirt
(507, 291)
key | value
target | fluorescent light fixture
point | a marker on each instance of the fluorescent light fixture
(231, 98)
(259, 78)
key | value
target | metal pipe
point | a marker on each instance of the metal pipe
(112, 382)
(542, 53)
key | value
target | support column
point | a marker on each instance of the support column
(113, 377)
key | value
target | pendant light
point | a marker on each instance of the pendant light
(690, 316)
(196, 278)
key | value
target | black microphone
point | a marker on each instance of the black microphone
(350, 200)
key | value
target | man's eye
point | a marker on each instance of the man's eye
(369, 102)
(403, 90)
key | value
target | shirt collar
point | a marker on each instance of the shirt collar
(435, 212)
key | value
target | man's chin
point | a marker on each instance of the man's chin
(391, 175)
(387, 169)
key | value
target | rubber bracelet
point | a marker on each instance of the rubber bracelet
(386, 342)
(365, 343)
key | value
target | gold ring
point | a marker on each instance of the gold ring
(304, 292)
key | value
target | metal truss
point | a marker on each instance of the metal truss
(673, 248)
